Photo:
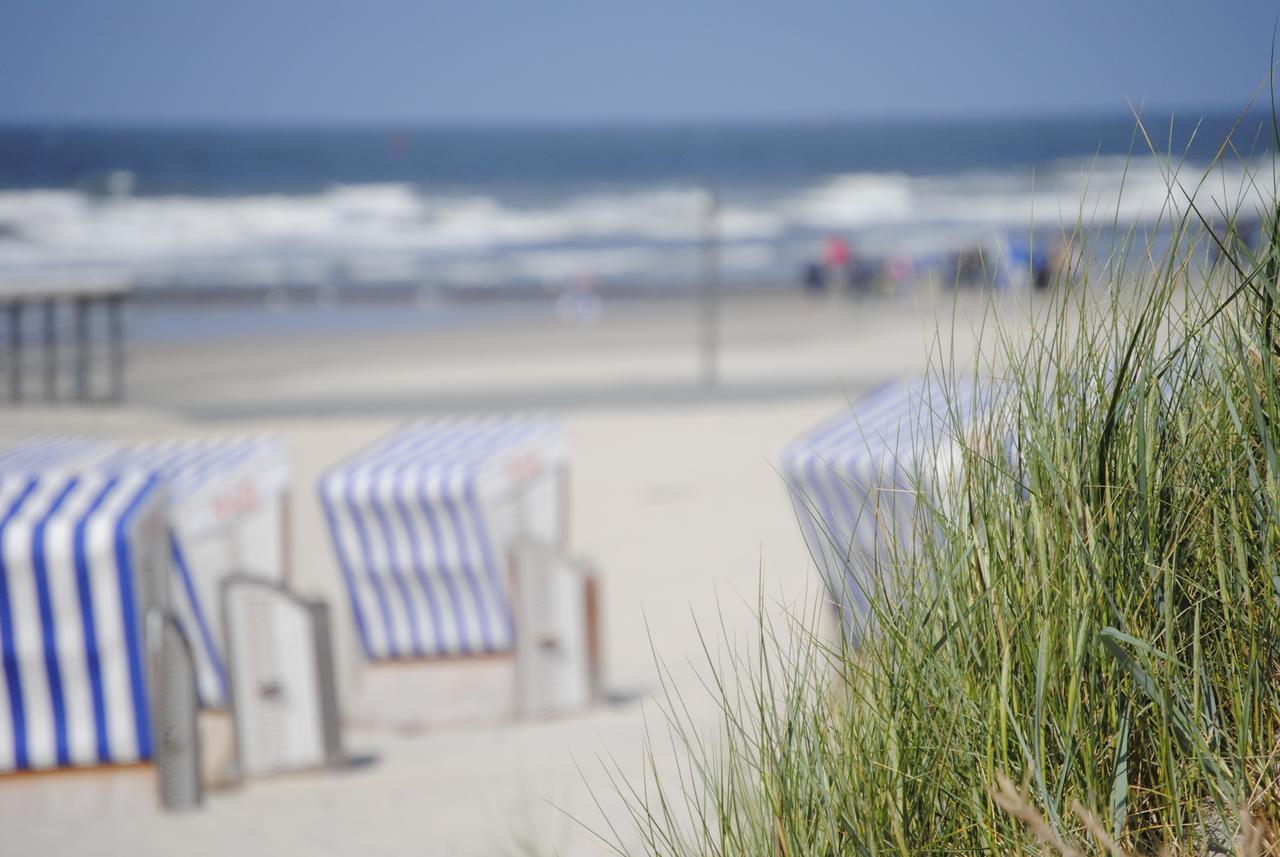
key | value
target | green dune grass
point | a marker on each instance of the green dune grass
(1086, 659)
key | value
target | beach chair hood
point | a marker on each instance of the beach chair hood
(420, 523)
(857, 483)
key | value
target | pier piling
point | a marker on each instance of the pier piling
(90, 355)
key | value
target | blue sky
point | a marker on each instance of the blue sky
(551, 60)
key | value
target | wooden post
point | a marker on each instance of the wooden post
(595, 638)
(15, 351)
(80, 307)
(711, 293)
(50, 350)
(115, 325)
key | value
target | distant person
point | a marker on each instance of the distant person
(1059, 267)
(815, 281)
(897, 271)
(970, 266)
(863, 273)
(580, 301)
(1041, 267)
(1037, 264)
(1016, 264)
(836, 259)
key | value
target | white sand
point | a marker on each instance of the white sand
(675, 497)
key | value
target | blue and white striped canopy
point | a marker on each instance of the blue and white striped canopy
(181, 473)
(856, 480)
(78, 569)
(192, 464)
(41, 453)
(420, 523)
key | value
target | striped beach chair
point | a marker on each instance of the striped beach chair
(203, 514)
(864, 483)
(208, 485)
(82, 566)
(451, 537)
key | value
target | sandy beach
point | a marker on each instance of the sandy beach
(675, 499)
(640, 259)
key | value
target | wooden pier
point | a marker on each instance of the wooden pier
(63, 344)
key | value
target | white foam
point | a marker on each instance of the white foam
(1129, 191)
(382, 232)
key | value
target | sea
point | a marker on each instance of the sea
(448, 210)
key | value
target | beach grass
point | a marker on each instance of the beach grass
(1083, 655)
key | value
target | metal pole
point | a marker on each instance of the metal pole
(286, 542)
(15, 351)
(81, 309)
(115, 323)
(711, 292)
(562, 501)
(50, 350)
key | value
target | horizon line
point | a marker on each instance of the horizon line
(654, 121)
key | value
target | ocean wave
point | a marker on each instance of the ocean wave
(399, 232)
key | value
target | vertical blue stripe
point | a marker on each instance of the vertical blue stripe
(453, 443)
(202, 624)
(93, 657)
(437, 541)
(49, 625)
(347, 572)
(464, 557)
(834, 534)
(393, 563)
(841, 486)
(456, 444)
(384, 606)
(132, 632)
(12, 676)
(420, 572)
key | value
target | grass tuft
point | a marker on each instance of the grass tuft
(1095, 617)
